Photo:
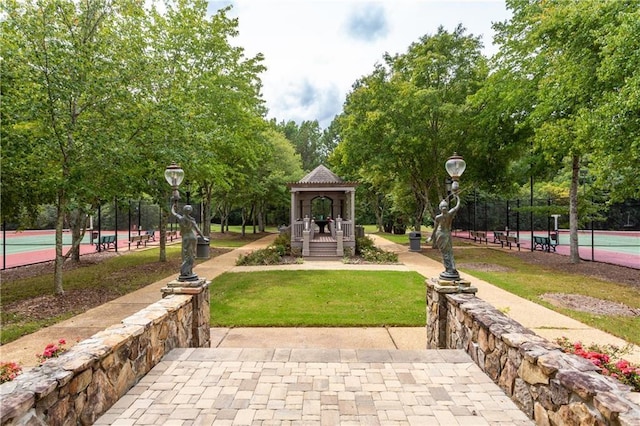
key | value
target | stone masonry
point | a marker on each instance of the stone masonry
(550, 386)
(84, 382)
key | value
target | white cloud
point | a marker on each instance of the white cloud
(316, 49)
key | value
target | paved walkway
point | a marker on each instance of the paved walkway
(313, 375)
(315, 387)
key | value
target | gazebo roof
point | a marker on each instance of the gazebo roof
(321, 177)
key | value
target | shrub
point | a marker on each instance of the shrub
(266, 256)
(607, 357)
(283, 242)
(364, 243)
(376, 255)
(9, 371)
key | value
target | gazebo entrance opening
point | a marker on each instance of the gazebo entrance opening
(321, 208)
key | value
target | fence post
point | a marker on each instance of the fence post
(99, 224)
(4, 244)
(518, 219)
(115, 202)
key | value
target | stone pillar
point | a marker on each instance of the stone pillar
(201, 315)
(340, 245)
(438, 309)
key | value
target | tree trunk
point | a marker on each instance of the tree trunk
(78, 225)
(574, 254)
(59, 262)
(207, 196)
(163, 235)
(377, 207)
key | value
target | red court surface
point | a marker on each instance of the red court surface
(37, 246)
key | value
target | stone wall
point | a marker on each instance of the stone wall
(550, 386)
(84, 382)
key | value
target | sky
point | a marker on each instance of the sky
(314, 50)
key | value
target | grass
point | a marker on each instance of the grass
(324, 298)
(114, 277)
(233, 238)
(531, 281)
(318, 298)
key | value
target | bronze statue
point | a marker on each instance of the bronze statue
(441, 238)
(189, 231)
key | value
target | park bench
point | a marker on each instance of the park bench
(496, 236)
(509, 240)
(171, 235)
(105, 242)
(479, 235)
(544, 243)
(151, 234)
(139, 239)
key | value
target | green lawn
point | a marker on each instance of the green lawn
(318, 298)
(531, 281)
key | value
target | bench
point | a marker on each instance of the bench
(139, 239)
(151, 234)
(496, 236)
(478, 235)
(105, 242)
(171, 235)
(509, 240)
(544, 243)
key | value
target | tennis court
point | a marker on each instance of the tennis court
(34, 246)
(615, 247)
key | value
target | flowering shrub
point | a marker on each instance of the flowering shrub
(606, 357)
(52, 350)
(9, 371)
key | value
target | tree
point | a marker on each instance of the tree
(559, 51)
(306, 139)
(404, 120)
(75, 60)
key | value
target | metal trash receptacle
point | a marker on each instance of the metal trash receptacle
(202, 249)
(414, 241)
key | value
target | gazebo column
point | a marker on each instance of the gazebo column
(352, 207)
(292, 208)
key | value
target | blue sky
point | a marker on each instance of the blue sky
(316, 49)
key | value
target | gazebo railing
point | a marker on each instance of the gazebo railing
(298, 227)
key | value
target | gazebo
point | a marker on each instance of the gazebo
(322, 214)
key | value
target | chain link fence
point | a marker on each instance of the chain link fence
(607, 233)
(121, 220)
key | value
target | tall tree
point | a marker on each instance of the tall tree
(404, 120)
(75, 60)
(306, 139)
(557, 50)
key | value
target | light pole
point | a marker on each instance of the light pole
(188, 227)
(441, 236)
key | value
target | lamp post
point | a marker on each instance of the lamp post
(188, 227)
(441, 236)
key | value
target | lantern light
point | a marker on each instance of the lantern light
(174, 175)
(455, 166)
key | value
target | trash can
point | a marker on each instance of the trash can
(414, 241)
(202, 249)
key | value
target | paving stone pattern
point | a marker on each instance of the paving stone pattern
(240, 386)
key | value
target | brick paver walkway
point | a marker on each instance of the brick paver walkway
(240, 386)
